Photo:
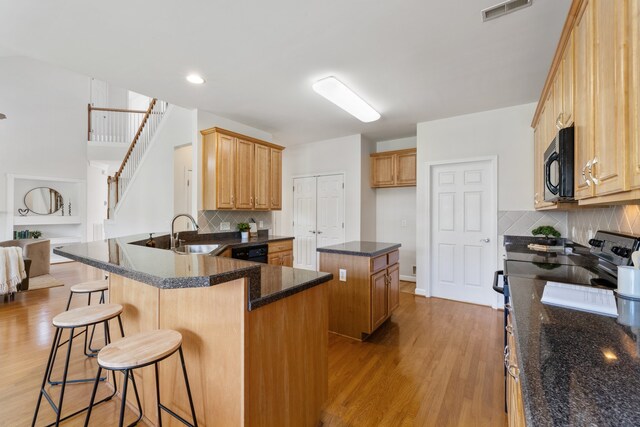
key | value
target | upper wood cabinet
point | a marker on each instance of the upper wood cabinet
(238, 172)
(275, 181)
(393, 168)
(600, 91)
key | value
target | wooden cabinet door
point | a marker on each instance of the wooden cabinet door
(546, 131)
(406, 169)
(262, 177)
(276, 179)
(209, 172)
(567, 83)
(634, 92)
(557, 97)
(609, 125)
(287, 258)
(538, 138)
(224, 171)
(394, 287)
(274, 259)
(583, 101)
(244, 174)
(383, 171)
(379, 299)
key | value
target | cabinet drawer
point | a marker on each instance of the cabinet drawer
(285, 245)
(393, 257)
(378, 263)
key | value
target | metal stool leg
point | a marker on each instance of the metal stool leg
(135, 390)
(54, 345)
(158, 406)
(186, 381)
(124, 397)
(64, 378)
(69, 301)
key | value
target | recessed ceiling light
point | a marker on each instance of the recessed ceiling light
(336, 91)
(195, 79)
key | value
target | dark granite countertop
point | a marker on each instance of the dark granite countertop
(576, 368)
(167, 269)
(358, 248)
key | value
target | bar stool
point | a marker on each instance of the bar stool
(89, 288)
(73, 319)
(138, 351)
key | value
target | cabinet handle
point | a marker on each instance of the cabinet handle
(507, 353)
(509, 329)
(584, 175)
(507, 306)
(559, 123)
(251, 200)
(232, 199)
(593, 163)
(513, 371)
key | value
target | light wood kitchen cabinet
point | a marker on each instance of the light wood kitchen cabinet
(393, 168)
(568, 82)
(275, 179)
(239, 172)
(368, 294)
(262, 177)
(542, 137)
(244, 173)
(281, 253)
(634, 93)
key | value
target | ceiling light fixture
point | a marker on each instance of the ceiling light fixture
(336, 91)
(195, 79)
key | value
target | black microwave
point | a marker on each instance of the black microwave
(558, 167)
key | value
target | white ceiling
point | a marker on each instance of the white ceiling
(412, 60)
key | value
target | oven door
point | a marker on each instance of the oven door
(552, 171)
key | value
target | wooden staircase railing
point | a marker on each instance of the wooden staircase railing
(112, 124)
(141, 140)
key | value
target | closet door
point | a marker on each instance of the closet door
(304, 222)
(330, 224)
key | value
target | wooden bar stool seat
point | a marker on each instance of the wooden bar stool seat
(138, 351)
(89, 288)
(71, 320)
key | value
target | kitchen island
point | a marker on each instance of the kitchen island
(255, 335)
(365, 288)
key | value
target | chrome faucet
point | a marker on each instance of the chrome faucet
(174, 236)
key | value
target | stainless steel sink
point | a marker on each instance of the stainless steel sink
(197, 249)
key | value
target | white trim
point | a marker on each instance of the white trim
(408, 278)
(427, 290)
(421, 292)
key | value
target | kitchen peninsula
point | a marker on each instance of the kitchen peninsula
(255, 335)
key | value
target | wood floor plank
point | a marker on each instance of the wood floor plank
(434, 363)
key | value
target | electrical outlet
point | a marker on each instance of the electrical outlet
(261, 224)
(225, 226)
(413, 269)
(403, 223)
(343, 275)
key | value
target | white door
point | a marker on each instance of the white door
(304, 222)
(330, 224)
(463, 231)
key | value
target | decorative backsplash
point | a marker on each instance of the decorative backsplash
(209, 221)
(583, 223)
(520, 223)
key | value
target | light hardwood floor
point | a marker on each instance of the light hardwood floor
(434, 363)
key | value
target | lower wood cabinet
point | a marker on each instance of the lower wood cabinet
(515, 406)
(281, 253)
(367, 296)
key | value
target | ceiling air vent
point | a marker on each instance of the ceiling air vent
(504, 8)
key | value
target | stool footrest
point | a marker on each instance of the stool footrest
(178, 417)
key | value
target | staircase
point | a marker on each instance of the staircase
(109, 125)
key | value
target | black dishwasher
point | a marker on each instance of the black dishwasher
(256, 253)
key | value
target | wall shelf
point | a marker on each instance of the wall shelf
(54, 219)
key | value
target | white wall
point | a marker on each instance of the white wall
(147, 205)
(182, 163)
(505, 132)
(46, 127)
(368, 212)
(339, 155)
(96, 198)
(396, 213)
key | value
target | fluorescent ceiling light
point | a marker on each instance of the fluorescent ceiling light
(335, 91)
(195, 79)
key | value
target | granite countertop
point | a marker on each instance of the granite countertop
(167, 269)
(359, 248)
(576, 368)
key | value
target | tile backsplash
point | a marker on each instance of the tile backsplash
(209, 221)
(583, 223)
(520, 223)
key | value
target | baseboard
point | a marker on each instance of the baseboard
(408, 278)
(421, 292)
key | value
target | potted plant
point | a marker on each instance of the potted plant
(243, 227)
(548, 232)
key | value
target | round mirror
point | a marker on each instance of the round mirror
(43, 201)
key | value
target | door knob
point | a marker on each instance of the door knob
(319, 232)
(485, 240)
(311, 231)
